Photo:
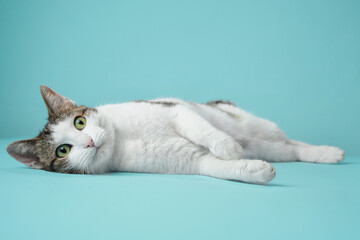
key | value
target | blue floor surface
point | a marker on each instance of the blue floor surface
(304, 201)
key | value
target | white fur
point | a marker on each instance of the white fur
(186, 138)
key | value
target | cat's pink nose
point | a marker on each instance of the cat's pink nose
(90, 143)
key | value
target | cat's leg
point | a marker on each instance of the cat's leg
(273, 145)
(192, 126)
(317, 154)
(273, 151)
(290, 150)
(251, 171)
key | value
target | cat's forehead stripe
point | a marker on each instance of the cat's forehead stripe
(68, 112)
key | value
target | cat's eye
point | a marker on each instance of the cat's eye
(80, 123)
(63, 150)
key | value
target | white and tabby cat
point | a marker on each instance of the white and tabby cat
(168, 136)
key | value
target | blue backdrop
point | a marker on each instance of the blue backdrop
(293, 62)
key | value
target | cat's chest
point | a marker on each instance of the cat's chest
(139, 128)
(136, 119)
(146, 127)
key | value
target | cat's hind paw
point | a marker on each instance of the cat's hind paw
(321, 154)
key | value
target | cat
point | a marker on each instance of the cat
(167, 136)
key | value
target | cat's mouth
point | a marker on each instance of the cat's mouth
(97, 150)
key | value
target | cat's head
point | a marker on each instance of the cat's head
(71, 141)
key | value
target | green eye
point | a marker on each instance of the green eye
(63, 150)
(80, 123)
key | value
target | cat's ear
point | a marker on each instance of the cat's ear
(54, 101)
(25, 152)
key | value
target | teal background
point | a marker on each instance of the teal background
(294, 62)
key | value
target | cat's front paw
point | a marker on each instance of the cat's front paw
(322, 154)
(228, 149)
(256, 171)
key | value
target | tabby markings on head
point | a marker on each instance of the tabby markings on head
(40, 152)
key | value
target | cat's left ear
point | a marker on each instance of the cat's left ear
(54, 101)
(25, 152)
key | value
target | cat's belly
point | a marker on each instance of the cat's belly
(169, 155)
